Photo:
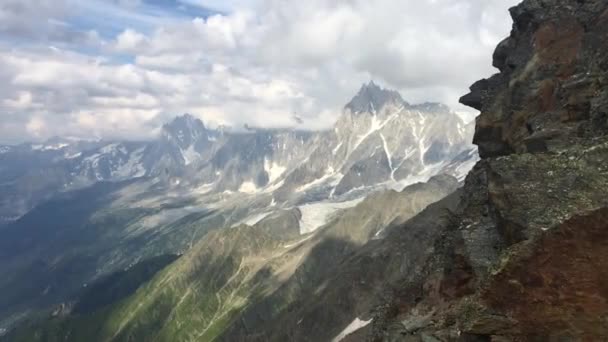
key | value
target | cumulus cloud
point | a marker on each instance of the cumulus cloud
(259, 63)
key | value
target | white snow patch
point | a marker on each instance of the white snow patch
(421, 177)
(190, 155)
(252, 220)
(133, 167)
(273, 187)
(109, 148)
(53, 147)
(337, 149)
(409, 152)
(273, 170)
(313, 183)
(388, 156)
(376, 125)
(466, 116)
(329, 175)
(463, 169)
(72, 156)
(92, 162)
(4, 149)
(248, 188)
(378, 234)
(351, 328)
(419, 136)
(316, 215)
(420, 116)
(255, 219)
(93, 159)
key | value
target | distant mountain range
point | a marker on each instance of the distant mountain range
(379, 139)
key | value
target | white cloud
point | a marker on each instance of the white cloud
(36, 126)
(130, 41)
(259, 64)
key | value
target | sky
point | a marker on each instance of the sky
(118, 69)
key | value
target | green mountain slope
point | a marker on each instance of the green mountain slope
(238, 278)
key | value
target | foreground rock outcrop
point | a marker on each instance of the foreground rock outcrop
(551, 90)
(526, 257)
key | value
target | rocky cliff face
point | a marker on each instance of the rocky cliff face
(551, 90)
(525, 256)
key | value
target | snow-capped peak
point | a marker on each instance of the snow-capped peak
(185, 130)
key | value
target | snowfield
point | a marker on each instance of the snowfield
(351, 328)
(316, 215)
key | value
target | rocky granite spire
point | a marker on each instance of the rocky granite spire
(372, 98)
(185, 131)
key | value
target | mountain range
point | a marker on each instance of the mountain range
(379, 138)
(76, 212)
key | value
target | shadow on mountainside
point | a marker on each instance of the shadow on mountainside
(37, 256)
(340, 281)
(119, 285)
(48, 256)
